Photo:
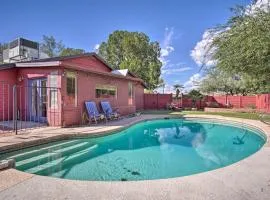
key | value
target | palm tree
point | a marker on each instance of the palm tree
(195, 95)
(161, 83)
(178, 88)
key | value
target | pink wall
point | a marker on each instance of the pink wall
(65, 114)
(139, 96)
(28, 74)
(87, 83)
(7, 80)
(88, 63)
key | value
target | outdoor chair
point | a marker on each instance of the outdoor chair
(93, 113)
(108, 111)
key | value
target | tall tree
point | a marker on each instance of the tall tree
(218, 81)
(71, 51)
(51, 47)
(133, 51)
(245, 48)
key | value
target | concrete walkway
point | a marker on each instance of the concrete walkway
(247, 179)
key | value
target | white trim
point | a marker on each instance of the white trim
(122, 72)
(38, 64)
(73, 75)
(53, 74)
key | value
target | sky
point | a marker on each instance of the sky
(177, 25)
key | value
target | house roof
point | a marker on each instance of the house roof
(7, 66)
(62, 58)
(55, 61)
(58, 58)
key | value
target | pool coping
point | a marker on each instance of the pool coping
(246, 179)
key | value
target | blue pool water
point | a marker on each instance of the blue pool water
(149, 150)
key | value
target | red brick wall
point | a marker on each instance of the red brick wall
(221, 101)
(233, 101)
(263, 102)
(247, 101)
(156, 101)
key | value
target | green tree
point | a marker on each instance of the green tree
(217, 81)
(71, 51)
(50, 46)
(178, 89)
(195, 95)
(245, 48)
(133, 51)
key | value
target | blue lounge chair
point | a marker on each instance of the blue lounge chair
(108, 111)
(92, 112)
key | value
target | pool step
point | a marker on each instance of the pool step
(49, 156)
(60, 163)
(36, 152)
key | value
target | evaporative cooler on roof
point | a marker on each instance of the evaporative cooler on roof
(21, 50)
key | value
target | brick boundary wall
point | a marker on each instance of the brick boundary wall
(259, 102)
(156, 101)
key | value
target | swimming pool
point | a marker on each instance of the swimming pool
(153, 149)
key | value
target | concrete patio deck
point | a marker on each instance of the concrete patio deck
(246, 179)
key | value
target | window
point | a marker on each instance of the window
(53, 98)
(71, 88)
(130, 93)
(105, 91)
(53, 89)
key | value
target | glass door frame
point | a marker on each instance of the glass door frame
(38, 112)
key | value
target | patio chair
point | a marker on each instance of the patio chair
(93, 113)
(108, 111)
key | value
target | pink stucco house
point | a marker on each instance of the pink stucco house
(53, 90)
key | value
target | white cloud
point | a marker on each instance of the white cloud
(96, 47)
(193, 82)
(166, 46)
(175, 70)
(166, 51)
(203, 51)
(260, 4)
